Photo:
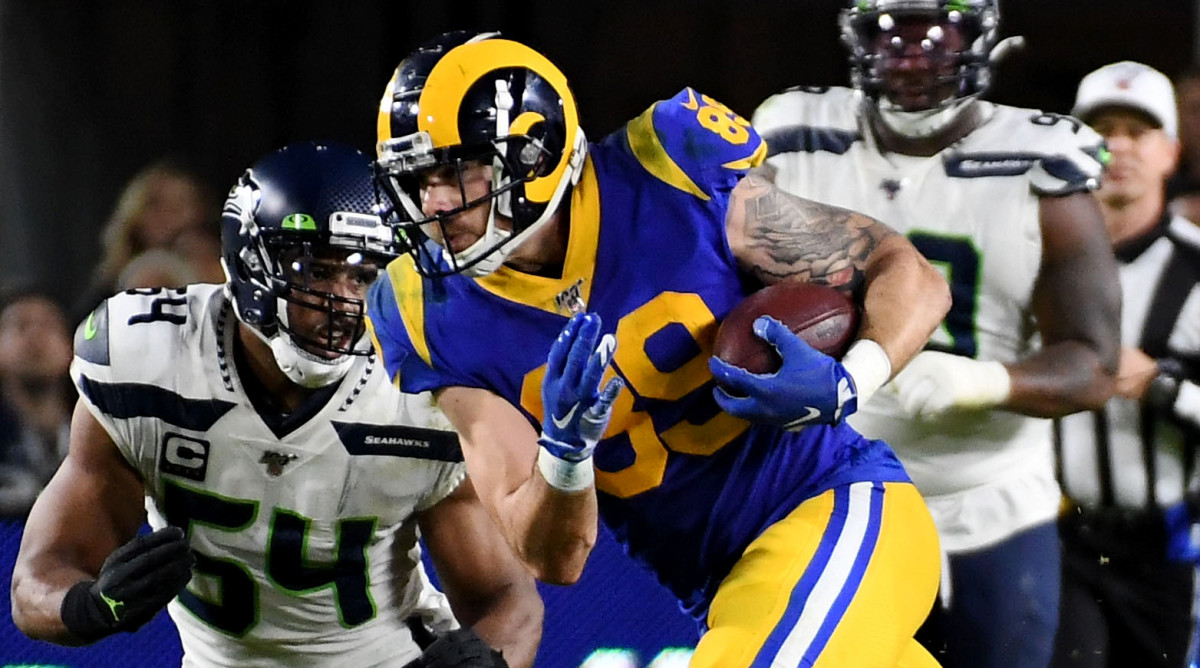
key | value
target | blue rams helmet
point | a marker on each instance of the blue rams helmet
(954, 38)
(466, 97)
(303, 202)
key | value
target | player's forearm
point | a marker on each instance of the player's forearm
(905, 300)
(511, 622)
(37, 595)
(1062, 378)
(553, 531)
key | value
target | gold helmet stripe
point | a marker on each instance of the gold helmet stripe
(526, 120)
(461, 67)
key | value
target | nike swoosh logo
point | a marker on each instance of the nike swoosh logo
(566, 419)
(812, 414)
(89, 327)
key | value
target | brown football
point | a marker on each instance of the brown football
(824, 317)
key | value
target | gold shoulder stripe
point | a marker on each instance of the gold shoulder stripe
(378, 348)
(650, 152)
(409, 293)
(754, 160)
(541, 292)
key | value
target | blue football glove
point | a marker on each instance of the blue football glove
(577, 411)
(1183, 534)
(809, 388)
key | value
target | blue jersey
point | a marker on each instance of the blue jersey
(684, 486)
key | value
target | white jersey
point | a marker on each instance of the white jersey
(1118, 456)
(304, 530)
(972, 210)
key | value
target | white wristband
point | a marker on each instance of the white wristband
(563, 475)
(869, 367)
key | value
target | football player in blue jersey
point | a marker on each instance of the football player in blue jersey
(561, 297)
(285, 479)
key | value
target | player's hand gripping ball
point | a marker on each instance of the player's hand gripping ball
(824, 317)
(775, 359)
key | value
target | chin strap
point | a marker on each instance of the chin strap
(920, 124)
(300, 366)
(305, 369)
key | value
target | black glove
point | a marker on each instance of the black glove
(460, 648)
(135, 582)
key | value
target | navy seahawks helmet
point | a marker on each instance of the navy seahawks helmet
(883, 34)
(466, 97)
(302, 201)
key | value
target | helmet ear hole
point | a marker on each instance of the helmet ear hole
(532, 158)
(528, 154)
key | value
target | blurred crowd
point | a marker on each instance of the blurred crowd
(162, 232)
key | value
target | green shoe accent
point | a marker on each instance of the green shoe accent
(113, 604)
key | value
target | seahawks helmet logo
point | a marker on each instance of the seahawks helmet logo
(299, 221)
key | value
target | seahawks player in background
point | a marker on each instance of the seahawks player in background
(999, 198)
(781, 530)
(286, 480)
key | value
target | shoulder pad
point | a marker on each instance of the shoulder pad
(133, 336)
(695, 143)
(809, 120)
(396, 323)
(1073, 155)
(133, 358)
(91, 337)
(1062, 154)
(808, 105)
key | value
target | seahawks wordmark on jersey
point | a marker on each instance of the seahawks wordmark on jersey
(304, 528)
(972, 210)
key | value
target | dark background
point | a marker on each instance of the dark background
(92, 91)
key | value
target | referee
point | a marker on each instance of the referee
(1129, 470)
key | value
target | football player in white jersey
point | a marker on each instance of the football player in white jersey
(999, 198)
(286, 480)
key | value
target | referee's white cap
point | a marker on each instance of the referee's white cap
(1128, 85)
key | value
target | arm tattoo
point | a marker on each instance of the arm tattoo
(793, 237)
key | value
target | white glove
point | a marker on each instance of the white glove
(934, 383)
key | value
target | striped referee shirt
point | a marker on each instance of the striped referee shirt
(1127, 455)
